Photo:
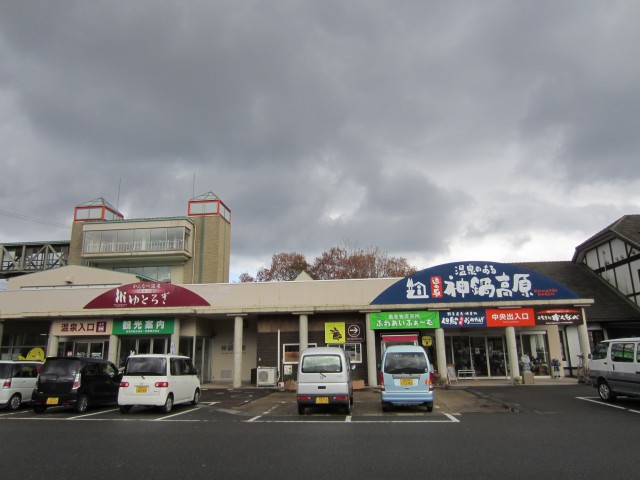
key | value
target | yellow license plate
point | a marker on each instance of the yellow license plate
(406, 382)
(52, 401)
(141, 389)
(322, 399)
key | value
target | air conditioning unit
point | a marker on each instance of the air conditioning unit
(266, 376)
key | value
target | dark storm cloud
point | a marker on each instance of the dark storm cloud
(420, 127)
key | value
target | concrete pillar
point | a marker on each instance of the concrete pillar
(112, 354)
(52, 346)
(174, 347)
(237, 352)
(583, 336)
(372, 368)
(441, 356)
(512, 350)
(304, 331)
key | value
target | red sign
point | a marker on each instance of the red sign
(147, 295)
(510, 317)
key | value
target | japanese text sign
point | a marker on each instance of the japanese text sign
(147, 295)
(473, 282)
(402, 320)
(143, 326)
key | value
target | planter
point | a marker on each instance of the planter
(357, 384)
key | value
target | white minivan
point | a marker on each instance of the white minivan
(324, 378)
(17, 381)
(614, 368)
(158, 380)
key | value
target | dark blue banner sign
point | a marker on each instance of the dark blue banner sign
(463, 319)
(473, 282)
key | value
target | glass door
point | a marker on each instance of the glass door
(81, 349)
(497, 356)
(144, 345)
(159, 345)
(461, 353)
(479, 356)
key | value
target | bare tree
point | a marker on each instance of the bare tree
(337, 263)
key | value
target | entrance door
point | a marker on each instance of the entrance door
(144, 345)
(479, 356)
(497, 357)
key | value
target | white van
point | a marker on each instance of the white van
(614, 368)
(324, 378)
(158, 380)
(17, 381)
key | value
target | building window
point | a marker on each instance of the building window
(291, 352)
(354, 350)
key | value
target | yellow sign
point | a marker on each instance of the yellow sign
(427, 341)
(334, 332)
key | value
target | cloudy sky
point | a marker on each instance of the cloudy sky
(437, 131)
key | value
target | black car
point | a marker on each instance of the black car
(77, 382)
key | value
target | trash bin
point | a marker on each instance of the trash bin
(527, 378)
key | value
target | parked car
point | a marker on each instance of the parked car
(324, 378)
(406, 377)
(76, 381)
(158, 380)
(614, 368)
(18, 379)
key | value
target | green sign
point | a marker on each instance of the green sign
(399, 320)
(143, 326)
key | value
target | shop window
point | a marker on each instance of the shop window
(291, 352)
(354, 350)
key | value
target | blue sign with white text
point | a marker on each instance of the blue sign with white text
(473, 282)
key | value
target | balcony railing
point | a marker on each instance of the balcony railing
(128, 247)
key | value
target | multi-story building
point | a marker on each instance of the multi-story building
(190, 249)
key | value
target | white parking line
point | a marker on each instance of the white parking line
(600, 402)
(175, 414)
(351, 420)
(91, 414)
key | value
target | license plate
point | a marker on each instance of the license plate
(406, 382)
(52, 401)
(322, 399)
(141, 389)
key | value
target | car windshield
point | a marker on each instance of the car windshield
(321, 364)
(146, 366)
(63, 367)
(5, 370)
(405, 362)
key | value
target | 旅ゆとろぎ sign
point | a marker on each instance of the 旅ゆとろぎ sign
(147, 295)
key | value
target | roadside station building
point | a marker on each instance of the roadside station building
(160, 285)
(479, 318)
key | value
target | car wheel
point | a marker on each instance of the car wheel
(168, 404)
(125, 408)
(605, 392)
(385, 407)
(301, 409)
(39, 408)
(15, 401)
(81, 404)
(196, 397)
(429, 407)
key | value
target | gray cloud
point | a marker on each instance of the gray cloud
(424, 128)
